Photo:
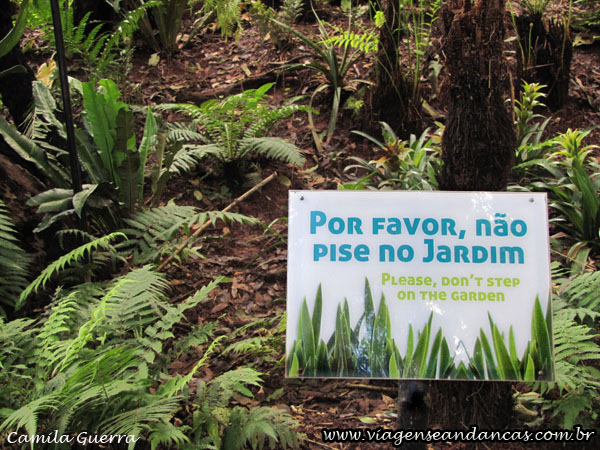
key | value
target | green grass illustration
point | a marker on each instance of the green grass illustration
(367, 350)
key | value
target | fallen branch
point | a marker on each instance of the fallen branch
(206, 224)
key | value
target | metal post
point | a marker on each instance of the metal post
(66, 97)
(413, 410)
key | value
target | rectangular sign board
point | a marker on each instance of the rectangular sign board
(422, 285)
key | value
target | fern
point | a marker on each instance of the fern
(152, 233)
(366, 42)
(230, 127)
(13, 262)
(254, 426)
(86, 365)
(274, 148)
(576, 351)
(583, 291)
(60, 263)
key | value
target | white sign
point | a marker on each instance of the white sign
(418, 285)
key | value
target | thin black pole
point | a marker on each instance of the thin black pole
(66, 96)
(66, 99)
(413, 410)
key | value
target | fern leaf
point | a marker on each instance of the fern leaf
(275, 148)
(68, 259)
(13, 262)
(188, 158)
(150, 233)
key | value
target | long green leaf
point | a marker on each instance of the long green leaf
(9, 41)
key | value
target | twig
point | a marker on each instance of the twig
(319, 443)
(240, 199)
(376, 388)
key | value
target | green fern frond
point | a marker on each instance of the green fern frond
(27, 416)
(267, 118)
(13, 262)
(68, 259)
(188, 158)
(275, 148)
(166, 435)
(138, 420)
(262, 423)
(151, 233)
(583, 291)
(183, 132)
(223, 387)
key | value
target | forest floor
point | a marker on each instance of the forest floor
(255, 259)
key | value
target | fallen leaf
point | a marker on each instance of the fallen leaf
(154, 59)
(219, 307)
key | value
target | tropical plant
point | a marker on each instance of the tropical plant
(160, 22)
(264, 15)
(13, 263)
(217, 426)
(228, 15)
(97, 362)
(235, 129)
(326, 62)
(412, 164)
(576, 306)
(532, 151)
(113, 164)
(102, 52)
(575, 193)
(155, 233)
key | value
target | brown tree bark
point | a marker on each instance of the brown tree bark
(478, 148)
(389, 99)
(479, 140)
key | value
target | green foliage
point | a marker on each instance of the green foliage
(159, 21)
(110, 123)
(8, 42)
(152, 234)
(113, 163)
(13, 263)
(65, 260)
(412, 164)
(102, 52)
(264, 16)
(326, 62)
(228, 16)
(89, 363)
(235, 129)
(576, 307)
(215, 425)
(263, 338)
(574, 192)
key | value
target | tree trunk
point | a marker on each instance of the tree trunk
(389, 100)
(16, 91)
(478, 148)
(479, 140)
